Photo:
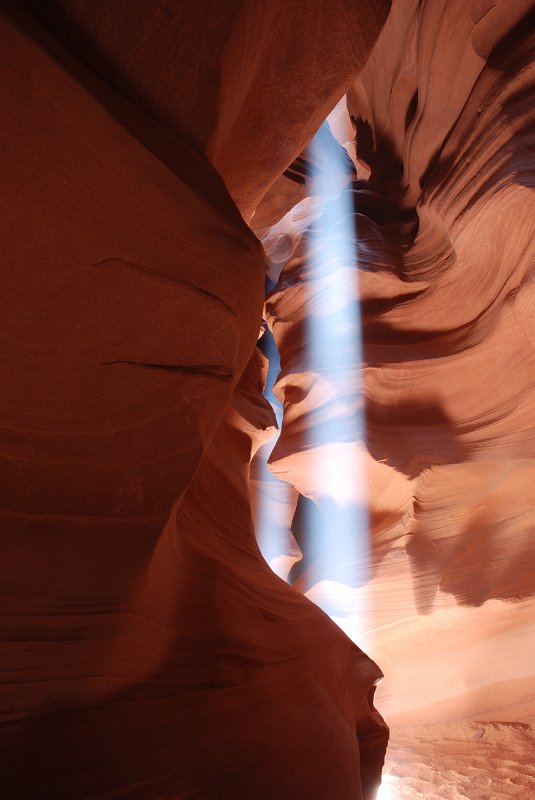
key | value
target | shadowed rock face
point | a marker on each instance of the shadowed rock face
(209, 655)
(148, 649)
(245, 83)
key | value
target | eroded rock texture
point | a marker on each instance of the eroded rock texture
(443, 116)
(460, 761)
(148, 649)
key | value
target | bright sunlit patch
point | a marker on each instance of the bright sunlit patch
(387, 789)
(281, 565)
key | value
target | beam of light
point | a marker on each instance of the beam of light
(336, 436)
(333, 525)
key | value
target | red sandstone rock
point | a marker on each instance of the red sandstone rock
(247, 83)
(148, 649)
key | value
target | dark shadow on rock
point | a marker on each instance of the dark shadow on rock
(491, 560)
(411, 109)
(412, 436)
(312, 533)
(377, 151)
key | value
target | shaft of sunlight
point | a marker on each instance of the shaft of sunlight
(335, 356)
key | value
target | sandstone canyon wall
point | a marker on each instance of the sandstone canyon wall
(148, 650)
(444, 121)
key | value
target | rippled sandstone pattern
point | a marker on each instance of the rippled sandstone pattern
(443, 113)
(148, 651)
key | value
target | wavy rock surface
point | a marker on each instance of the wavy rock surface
(148, 649)
(443, 115)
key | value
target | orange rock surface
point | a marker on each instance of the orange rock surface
(444, 123)
(157, 168)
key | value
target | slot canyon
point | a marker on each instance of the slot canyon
(267, 404)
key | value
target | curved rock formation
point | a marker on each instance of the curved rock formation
(246, 83)
(149, 651)
(210, 655)
(443, 115)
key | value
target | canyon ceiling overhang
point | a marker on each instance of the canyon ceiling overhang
(157, 165)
